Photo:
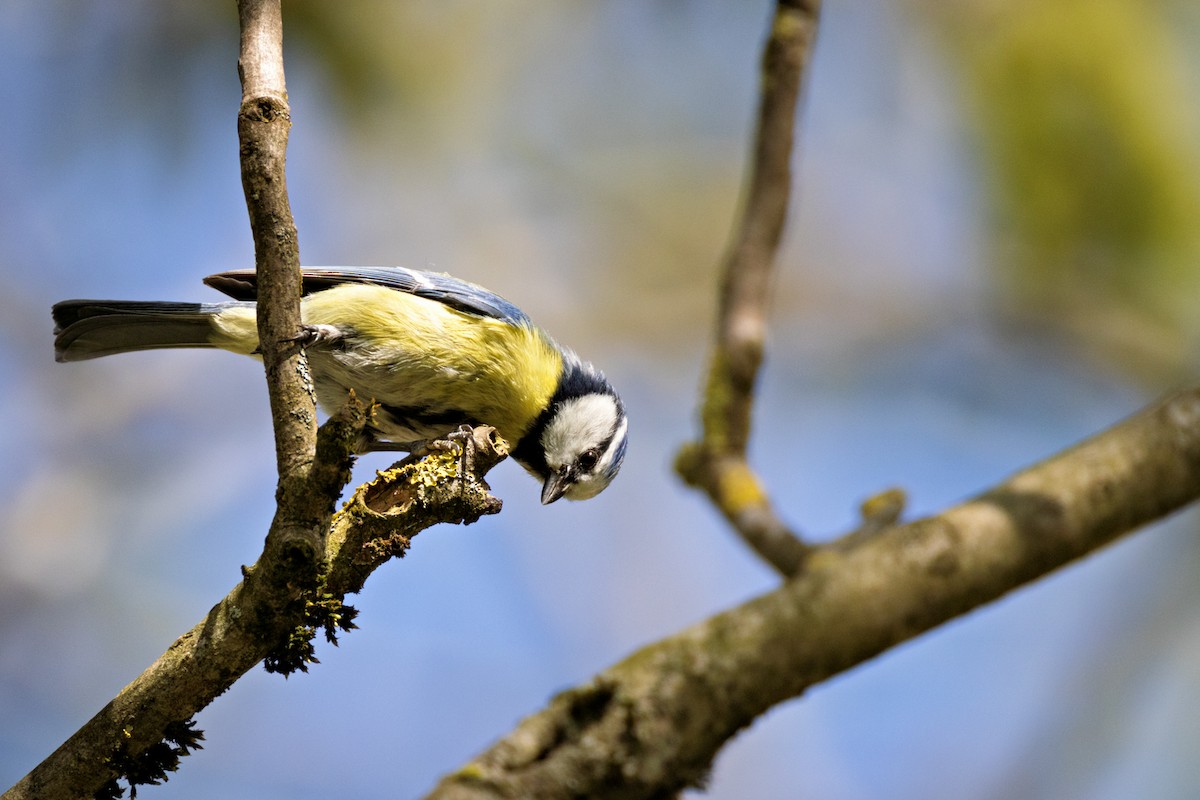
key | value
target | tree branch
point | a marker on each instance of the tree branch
(651, 725)
(294, 551)
(717, 464)
(127, 737)
(378, 523)
(264, 120)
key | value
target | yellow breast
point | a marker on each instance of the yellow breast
(408, 352)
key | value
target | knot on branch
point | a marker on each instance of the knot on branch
(442, 483)
(265, 108)
(444, 478)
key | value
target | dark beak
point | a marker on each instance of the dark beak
(555, 486)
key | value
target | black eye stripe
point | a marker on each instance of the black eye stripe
(601, 449)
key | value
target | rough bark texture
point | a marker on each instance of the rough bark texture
(268, 606)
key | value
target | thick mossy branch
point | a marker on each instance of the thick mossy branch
(379, 522)
(322, 611)
(301, 575)
(286, 597)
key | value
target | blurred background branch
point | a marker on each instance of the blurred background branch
(718, 462)
(651, 725)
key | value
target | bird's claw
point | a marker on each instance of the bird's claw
(310, 335)
(465, 437)
(463, 440)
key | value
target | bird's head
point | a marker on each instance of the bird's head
(576, 445)
(583, 444)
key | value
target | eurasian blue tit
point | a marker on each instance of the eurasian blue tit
(434, 352)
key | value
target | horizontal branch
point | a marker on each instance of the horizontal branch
(651, 725)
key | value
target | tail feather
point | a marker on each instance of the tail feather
(92, 328)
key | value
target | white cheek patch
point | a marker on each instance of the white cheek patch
(580, 424)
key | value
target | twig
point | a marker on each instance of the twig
(717, 464)
(295, 544)
(651, 725)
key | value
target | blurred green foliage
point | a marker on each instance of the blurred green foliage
(1083, 117)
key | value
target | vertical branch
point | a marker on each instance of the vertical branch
(141, 734)
(717, 464)
(750, 260)
(296, 540)
(264, 121)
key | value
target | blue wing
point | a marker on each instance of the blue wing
(467, 297)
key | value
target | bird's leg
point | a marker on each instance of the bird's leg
(462, 439)
(419, 448)
(310, 335)
(465, 437)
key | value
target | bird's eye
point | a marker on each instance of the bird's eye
(588, 459)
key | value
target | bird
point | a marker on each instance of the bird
(433, 352)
